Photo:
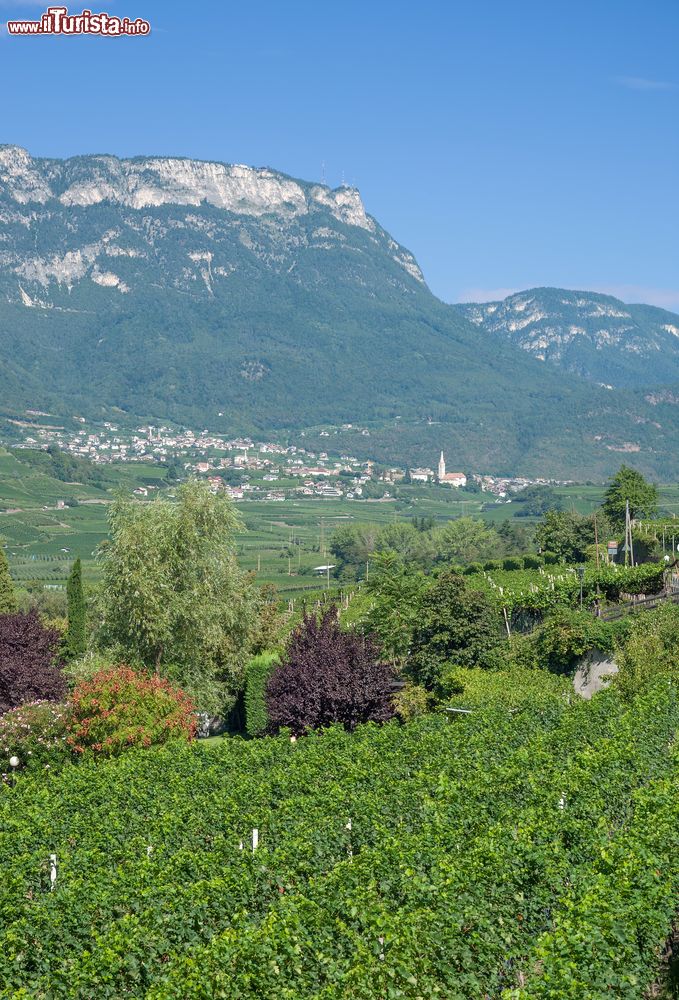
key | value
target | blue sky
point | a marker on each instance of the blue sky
(507, 144)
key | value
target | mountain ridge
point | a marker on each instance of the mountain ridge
(591, 334)
(275, 314)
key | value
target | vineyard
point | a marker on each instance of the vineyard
(547, 587)
(528, 849)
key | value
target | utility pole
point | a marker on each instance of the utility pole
(629, 548)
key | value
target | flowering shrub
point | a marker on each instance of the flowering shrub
(36, 734)
(119, 708)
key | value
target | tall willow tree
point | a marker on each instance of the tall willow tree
(8, 602)
(75, 640)
(174, 599)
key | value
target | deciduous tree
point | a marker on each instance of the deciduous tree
(629, 485)
(455, 625)
(29, 670)
(174, 599)
(328, 675)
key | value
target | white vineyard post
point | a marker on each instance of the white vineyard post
(53, 871)
(255, 839)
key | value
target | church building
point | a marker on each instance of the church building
(450, 478)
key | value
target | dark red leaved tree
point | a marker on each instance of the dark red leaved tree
(328, 675)
(28, 661)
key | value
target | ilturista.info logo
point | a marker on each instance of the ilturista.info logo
(58, 21)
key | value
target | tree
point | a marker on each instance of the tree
(413, 546)
(395, 593)
(352, 545)
(567, 534)
(466, 540)
(327, 676)
(75, 639)
(173, 597)
(266, 633)
(28, 661)
(534, 501)
(8, 601)
(629, 485)
(455, 625)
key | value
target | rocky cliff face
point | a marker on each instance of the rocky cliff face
(595, 336)
(288, 215)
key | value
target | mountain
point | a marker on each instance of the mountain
(595, 336)
(246, 301)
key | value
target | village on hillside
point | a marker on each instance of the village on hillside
(243, 468)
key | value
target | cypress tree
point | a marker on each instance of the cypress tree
(8, 601)
(75, 640)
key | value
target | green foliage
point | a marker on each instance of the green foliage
(472, 568)
(352, 545)
(443, 886)
(63, 466)
(75, 640)
(628, 485)
(8, 601)
(567, 535)
(454, 624)
(121, 708)
(394, 594)
(270, 623)
(257, 673)
(534, 501)
(411, 702)
(466, 540)
(566, 635)
(512, 562)
(606, 941)
(173, 596)
(542, 589)
(649, 649)
(35, 733)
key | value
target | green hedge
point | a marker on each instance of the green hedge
(257, 674)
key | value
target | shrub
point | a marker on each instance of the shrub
(411, 701)
(36, 734)
(551, 558)
(328, 675)
(257, 673)
(492, 564)
(455, 625)
(121, 708)
(650, 649)
(28, 667)
(512, 562)
(566, 635)
(532, 562)
(473, 567)
(86, 666)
